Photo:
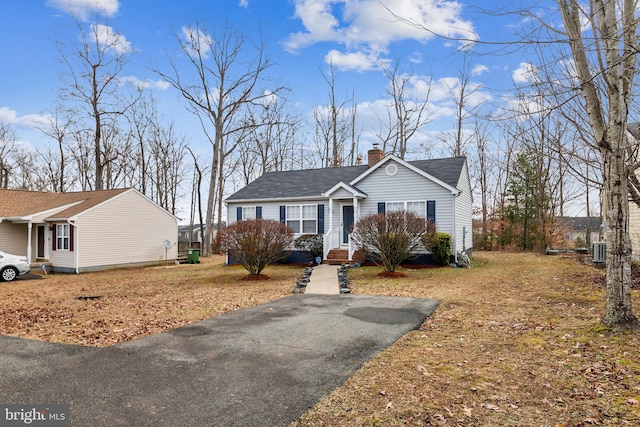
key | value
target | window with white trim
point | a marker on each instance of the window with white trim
(418, 207)
(302, 219)
(63, 236)
(248, 212)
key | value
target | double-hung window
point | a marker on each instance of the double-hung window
(302, 219)
(418, 207)
(248, 212)
(63, 236)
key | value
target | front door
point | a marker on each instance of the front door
(41, 239)
(347, 222)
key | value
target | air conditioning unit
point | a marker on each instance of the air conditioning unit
(599, 250)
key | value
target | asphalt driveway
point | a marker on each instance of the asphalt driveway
(264, 365)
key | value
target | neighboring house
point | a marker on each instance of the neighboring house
(86, 231)
(330, 201)
(190, 236)
(575, 227)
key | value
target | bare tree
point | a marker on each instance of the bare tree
(605, 67)
(221, 84)
(406, 114)
(93, 84)
(7, 153)
(333, 125)
(461, 93)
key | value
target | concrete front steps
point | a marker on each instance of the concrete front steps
(337, 257)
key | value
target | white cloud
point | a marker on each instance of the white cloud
(30, 121)
(525, 73)
(110, 39)
(355, 61)
(146, 84)
(368, 26)
(479, 69)
(83, 9)
(244, 3)
(195, 40)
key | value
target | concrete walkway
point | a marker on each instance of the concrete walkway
(323, 280)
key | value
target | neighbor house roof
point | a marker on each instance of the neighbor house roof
(314, 183)
(579, 223)
(20, 203)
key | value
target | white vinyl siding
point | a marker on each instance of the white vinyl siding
(407, 185)
(464, 208)
(125, 230)
(13, 238)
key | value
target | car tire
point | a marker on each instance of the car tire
(8, 274)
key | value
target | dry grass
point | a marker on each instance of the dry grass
(516, 342)
(133, 302)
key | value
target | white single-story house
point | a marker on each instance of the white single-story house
(87, 231)
(330, 201)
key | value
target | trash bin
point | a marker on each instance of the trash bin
(193, 256)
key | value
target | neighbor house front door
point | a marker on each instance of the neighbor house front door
(41, 241)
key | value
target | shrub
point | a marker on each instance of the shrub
(393, 237)
(440, 246)
(256, 243)
(311, 243)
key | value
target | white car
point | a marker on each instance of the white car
(12, 266)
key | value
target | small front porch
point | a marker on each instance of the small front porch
(344, 210)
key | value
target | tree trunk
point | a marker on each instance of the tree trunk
(618, 310)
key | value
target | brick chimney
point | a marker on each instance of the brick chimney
(374, 155)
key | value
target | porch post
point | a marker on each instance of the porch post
(330, 230)
(29, 242)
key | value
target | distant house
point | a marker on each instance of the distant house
(578, 226)
(86, 231)
(330, 201)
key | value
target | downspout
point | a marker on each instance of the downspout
(75, 245)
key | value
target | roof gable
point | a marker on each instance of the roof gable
(444, 172)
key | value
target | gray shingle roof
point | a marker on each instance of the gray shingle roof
(315, 182)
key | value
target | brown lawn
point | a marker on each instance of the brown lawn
(516, 341)
(132, 302)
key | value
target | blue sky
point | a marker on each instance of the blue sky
(301, 37)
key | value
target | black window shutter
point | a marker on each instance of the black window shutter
(381, 207)
(71, 237)
(320, 219)
(431, 211)
(239, 213)
(283, 214)
(258, 211)
(54, 241)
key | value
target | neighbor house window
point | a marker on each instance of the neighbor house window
(302, 218)
(63, 237)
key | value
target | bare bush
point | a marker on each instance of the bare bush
(392, 237)
(256, 243)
